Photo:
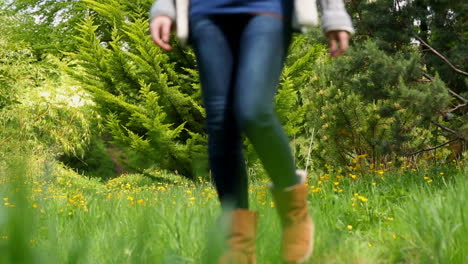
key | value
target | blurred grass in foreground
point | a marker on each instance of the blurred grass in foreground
(49, 214)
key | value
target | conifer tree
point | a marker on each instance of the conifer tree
(149, 98)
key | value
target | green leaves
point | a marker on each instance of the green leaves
(149, 101)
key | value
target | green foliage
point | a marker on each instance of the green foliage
(371, 103)
(50, 116)
(14, 67)
(48, 26)
(150, 103)
(398, 26)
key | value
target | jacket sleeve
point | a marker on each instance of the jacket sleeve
(163, 8)
(335, 16)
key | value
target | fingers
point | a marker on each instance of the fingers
(333, 46)
(343, 38)
(160, 28)
(166, 31)
(335, 38)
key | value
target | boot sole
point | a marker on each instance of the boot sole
(311, 245)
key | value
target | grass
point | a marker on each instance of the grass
(49, 214)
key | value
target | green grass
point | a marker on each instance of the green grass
(48, 214)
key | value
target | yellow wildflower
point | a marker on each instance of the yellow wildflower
(362, 198)
(35, 206)
(316, 190)
(394, 236)
(390, 218)
(336, 183)
(350, 227)
(192, 199)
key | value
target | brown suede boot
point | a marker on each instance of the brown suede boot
(241, 238)
(298, 228)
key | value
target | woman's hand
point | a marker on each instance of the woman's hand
(335, 38)
(160, 28)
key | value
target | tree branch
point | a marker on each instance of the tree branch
(456, 107)
(449, 130)
(433, 148)
(442, 57)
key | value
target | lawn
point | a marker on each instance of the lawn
(49, 214)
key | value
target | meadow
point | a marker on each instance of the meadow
(50, 214)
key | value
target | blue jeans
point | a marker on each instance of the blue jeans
(240, 58)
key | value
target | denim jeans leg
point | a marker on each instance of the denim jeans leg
(263, 45)
(216, 59)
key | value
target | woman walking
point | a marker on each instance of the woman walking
(240, 47)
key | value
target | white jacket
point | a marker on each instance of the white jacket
(334, 15)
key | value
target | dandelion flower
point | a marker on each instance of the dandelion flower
(394, 236)
(35, 206)
(369, 244)
(390, 218)
(350, 227)
(362, 198)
